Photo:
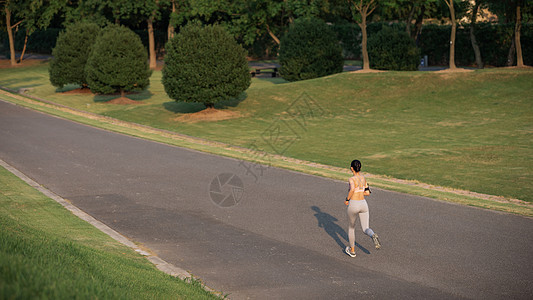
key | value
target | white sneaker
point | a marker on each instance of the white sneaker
(347, 250)
(375, 238)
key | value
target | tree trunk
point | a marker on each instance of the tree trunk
(151, 43)
(365, 9)
(366, 60)
(24, 48)
(452, 36)
(475, 46)
(518, 45)
(171, 30)
(510, 55)
(10, 36)
(122, 93)
(272, 35)
(409, 20)
(418, 24)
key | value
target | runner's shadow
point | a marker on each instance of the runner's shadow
(335, 231)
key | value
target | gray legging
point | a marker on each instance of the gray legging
(358, 207)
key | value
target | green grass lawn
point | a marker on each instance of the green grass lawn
(48, 253)
(468, 130)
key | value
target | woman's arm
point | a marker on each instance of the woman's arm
(367, 190)
(350, 193)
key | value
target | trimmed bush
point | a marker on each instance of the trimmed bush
(70, 54)
(310, 49)
(391, 49)
(118, 62)
(205, 65)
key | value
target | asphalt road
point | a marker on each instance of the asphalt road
(285, 237)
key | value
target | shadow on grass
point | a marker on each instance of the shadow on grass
(186, 107)
(68, 88)
(276, 80)
(18, 83)
(135, 96)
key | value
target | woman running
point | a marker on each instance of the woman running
(357, 205)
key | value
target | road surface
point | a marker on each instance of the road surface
(285, 237)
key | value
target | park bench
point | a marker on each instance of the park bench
(264, 70)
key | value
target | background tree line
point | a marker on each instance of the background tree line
(259, 25)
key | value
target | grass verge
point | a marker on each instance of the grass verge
(48, 253)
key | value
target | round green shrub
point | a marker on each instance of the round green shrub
(118, 62)
(205, 65)
(309, 50)
(70, 54)
(391, 49)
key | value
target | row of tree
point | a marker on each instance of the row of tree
(202, 64)
(259, 21)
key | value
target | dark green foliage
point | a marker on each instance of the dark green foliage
(41, 41)
(118, 62)
(494, 42)
(375, 27)
(390, 49)
(349, 36)
(205, 65)
(435, 43)
(160, 38)
(310, 49)
(70, 54)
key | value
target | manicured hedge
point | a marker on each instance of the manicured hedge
(70, 54)
(118, 62)
(309, 50)
(393, 49)
(205, 64)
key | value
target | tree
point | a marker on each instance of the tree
(99, 12)
(205, 65)
(30, 14)
(510, 11)
(146, 10)
(475, 46)
(518, 26)
(310, 49)
(70, 54)
(417, 12)
(118, 11)
(8, 9)
(118, 62)
(251, 20)
(452, 36)
(151, 39)
(363, 9)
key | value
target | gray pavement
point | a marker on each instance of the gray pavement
(285, 237)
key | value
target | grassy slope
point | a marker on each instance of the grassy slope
(48, 253)
(465, 130)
